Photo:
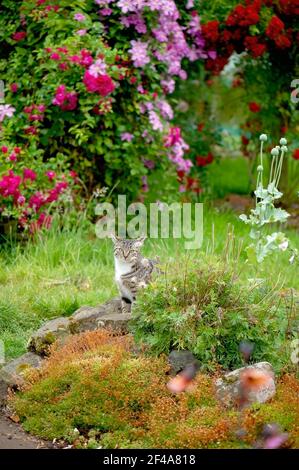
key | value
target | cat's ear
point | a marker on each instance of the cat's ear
(139, 242)
(113, 237)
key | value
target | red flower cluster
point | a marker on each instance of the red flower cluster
(60, 54)
(296, 154)
(253, 45)
(254, 107)
(216, 65)
(289, 7)
(245, 140)
(276, 31)
(188, 183)
(244, 16)
(101, 84)
(19, 36)
(66, 100)
(210, 32)
(275, 27)
(238, 36)
(204, 160)
(35, 112)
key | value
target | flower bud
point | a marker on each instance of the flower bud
(275, 152)
(263, 138)
(283, 141)
(260, 168)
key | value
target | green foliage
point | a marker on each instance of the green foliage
(265, 213)
(199, 305)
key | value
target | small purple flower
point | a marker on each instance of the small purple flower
(126, 5)
(98, 68)
(106, 11)
(6, 110)
(150, 164)
(81, 32)
(127, 137)
(155, 121)
(139, 53)
(79, 17)
(168, 85)
(190, 4)
(212, 54)
(165, 109)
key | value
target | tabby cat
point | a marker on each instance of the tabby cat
(132, 271)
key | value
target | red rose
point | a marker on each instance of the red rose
(205, 160)
(210, 31)
(283, 42)
(216, 65)
(181, 175)
(274, 27)
(254, 47)
(226, 36)
(19, 36)
(296, 154)
(201, 161)
(289, 7)
(245, 141)
(243, 16)
(254, 107)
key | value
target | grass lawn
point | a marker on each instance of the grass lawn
(62, 271)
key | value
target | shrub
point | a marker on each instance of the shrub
(94, 392)
(31, 190)
(199, 305)
(91, 83)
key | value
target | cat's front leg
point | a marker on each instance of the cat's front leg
(126, 305)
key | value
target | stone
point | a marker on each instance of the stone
(117, 322)
(178, 360)
(227, 388)
(87, 318)
(12, 373)
(57, 329)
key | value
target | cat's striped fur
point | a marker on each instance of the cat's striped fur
(132, 271)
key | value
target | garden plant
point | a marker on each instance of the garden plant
(162, 102)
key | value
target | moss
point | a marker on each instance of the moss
(95, 384)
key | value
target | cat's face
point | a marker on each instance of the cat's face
(127, 250)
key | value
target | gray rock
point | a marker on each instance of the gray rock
(57, 329)
(178, 360)
(117, 322)
(12, 373)
(228, 388)
(90, 318)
